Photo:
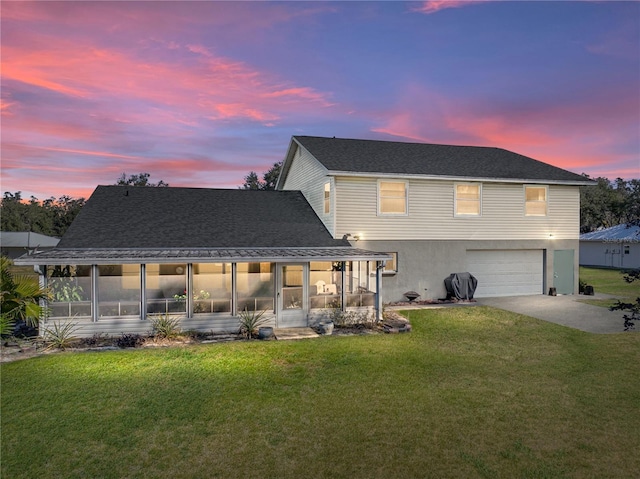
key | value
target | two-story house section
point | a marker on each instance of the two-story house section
(510, 220)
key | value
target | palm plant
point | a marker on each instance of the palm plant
(20, 297)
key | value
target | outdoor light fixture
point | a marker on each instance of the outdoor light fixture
(349, 235)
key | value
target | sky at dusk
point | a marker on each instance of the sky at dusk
(200, 93)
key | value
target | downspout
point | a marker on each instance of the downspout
(42, 280)
(234, 290)
(94, 293)
(343, 278)
(189, 298)
(379, 267)
(143, 292)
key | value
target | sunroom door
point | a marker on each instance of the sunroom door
(292, 296)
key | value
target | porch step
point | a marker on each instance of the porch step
(282, 334)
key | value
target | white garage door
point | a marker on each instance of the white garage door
(506, 272)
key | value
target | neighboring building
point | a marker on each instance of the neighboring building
(204, 254)
(615, 247)
(511, 221)
(16, 243)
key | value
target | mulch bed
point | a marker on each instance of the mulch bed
(14, 349)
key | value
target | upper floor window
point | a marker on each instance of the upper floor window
(392, 197)
(327, 198)
(468, 199)
(535, 201)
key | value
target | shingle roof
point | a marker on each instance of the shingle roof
(619, 233)
(146, 217)
(390, 157)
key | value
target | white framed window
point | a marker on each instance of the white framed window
(327, 198)
(467, 199)
(392, 197)
(535, 200)
(391, 266)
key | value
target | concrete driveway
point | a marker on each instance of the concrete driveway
(565, 310)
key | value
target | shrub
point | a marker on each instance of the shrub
(581, 286)
(633, 308)
(129, 340)
(96, 340)
(60, 335)
(250, 321)
(350, 319)
(165, 326)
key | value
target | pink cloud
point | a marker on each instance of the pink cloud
(219, 85)
(568, 135)
(434, 6)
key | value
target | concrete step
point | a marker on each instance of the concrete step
(294, 333)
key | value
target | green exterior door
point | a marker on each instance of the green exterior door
(563, 271)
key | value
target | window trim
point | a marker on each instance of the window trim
(546, 200)
(388, 272)
(455, 199)
(406, 197)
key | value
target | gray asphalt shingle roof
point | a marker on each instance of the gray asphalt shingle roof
(390, 157)
(152, 218)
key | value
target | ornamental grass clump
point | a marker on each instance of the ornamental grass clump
(250, 321)
(165, 326)
(60, 335)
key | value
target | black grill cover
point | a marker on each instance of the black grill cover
(461, 285)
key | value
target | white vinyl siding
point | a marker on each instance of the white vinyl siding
(468, 199)
(309, 176)
(430, 206)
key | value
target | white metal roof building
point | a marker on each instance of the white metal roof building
(615, 247)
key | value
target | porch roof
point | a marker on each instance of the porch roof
(199, 255)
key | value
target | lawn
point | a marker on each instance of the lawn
(609, 281)
(470, 392)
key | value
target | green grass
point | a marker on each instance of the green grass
(609, 281)
(471, 392)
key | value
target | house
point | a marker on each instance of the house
(16, 243)
(205, 255)
(510, 220)
(615, 247)
(352, 224)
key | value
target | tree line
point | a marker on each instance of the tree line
(53, 216)
(608, 203)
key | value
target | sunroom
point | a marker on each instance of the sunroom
(294, 288)
(120, 262)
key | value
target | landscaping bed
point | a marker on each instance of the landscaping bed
(23, 348)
